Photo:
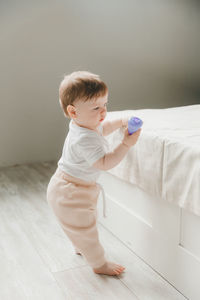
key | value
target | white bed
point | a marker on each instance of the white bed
(155, 191)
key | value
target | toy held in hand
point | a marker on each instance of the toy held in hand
(134, 124)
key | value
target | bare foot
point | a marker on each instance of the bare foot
(109, 268)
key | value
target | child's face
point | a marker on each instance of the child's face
(91, 113)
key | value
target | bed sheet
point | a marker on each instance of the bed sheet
(165, 162)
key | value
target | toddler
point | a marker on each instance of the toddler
(73, 191)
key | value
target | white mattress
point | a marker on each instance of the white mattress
(165, 162)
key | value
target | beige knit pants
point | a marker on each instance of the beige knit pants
(73, 202)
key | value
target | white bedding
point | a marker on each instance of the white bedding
(165, 162)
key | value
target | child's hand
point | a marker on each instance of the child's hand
(131, 140)
(125, 121)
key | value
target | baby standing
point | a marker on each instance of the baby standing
(73, 190)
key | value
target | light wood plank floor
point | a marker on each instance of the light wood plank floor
(37, 261)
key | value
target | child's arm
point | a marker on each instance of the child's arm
(110, 126)
(110, 160)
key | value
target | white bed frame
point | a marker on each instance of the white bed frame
(161, 233)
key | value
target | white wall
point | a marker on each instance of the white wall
(146, 51)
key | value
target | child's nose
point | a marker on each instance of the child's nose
(103, 111)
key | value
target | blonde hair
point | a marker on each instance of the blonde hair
(80, 85)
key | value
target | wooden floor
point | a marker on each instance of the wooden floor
(37, 260)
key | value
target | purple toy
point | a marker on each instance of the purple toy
(134, 124)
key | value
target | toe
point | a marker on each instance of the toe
(120, 267)
(120, 270)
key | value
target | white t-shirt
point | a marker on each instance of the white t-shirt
(82, 148)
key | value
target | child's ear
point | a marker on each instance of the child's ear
(71, 111)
